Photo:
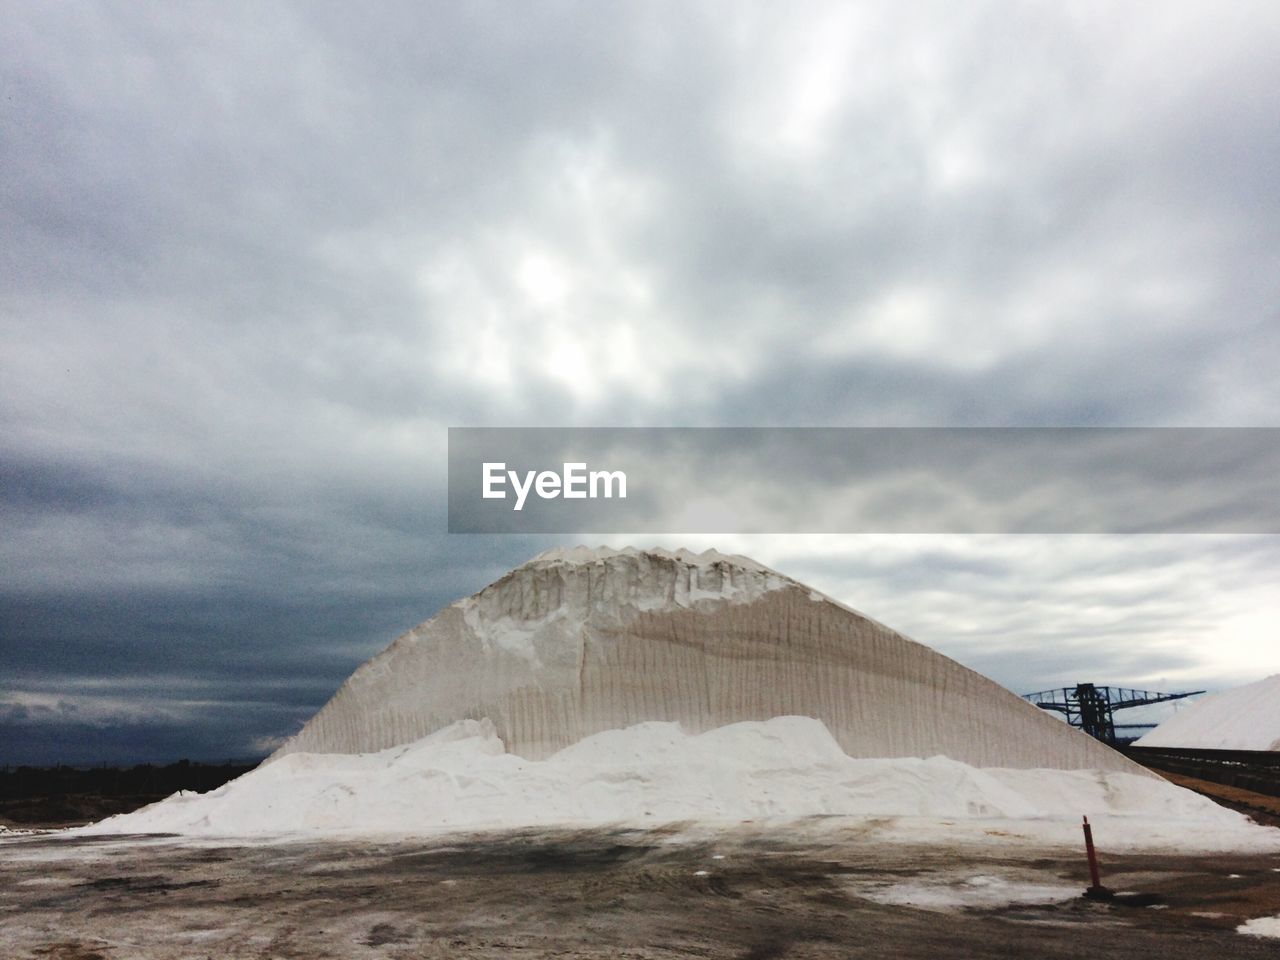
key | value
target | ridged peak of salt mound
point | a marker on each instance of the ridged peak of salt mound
(610, 582)
(583, 554)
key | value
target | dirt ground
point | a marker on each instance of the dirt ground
(1258, 806)
(742, 893)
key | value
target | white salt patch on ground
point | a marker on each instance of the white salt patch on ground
(981, 891)
(782, 769)
(1261, 927)
(1245, 718)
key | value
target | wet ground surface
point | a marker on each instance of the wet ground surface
(742, 893)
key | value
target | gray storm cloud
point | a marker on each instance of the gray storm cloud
(256, 260)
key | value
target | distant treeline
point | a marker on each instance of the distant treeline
(143, 780)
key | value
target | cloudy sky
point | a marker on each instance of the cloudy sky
(258, 257)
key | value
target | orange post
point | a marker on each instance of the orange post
(1096, 891)
(1093, 854)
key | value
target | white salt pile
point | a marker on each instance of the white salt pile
(653, 773)
(1245, 718)
(583, 640)
(646, 687)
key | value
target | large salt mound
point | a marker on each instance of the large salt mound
(579, 641)
(651, 773)
(665, 687)
(1246, 718)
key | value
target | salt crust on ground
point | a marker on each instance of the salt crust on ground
(950, 892)
(1245, 718)
(1261, 927)
(461, 778)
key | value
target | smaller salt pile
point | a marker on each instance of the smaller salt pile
(783, 769)
(1244, 718)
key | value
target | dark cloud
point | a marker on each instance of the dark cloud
(256, 261)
